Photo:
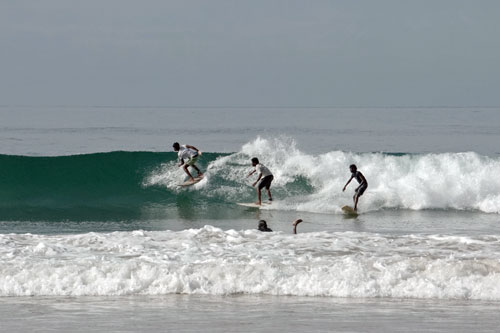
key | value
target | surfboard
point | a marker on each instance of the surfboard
(190, 182)
(252, 204)
(349, 211)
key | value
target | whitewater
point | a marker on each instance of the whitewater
(212, 261)
(461, 181)
(218, 261)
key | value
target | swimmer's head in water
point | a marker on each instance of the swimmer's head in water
(263, 226)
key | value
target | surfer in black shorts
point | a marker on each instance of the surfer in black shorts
(265, 177)
(363, 184)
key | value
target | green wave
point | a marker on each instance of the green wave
(124, 186)
(86, 187)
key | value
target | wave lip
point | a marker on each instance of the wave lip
(216, 262)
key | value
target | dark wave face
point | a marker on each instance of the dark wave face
(83, 187)
(116, 186)
(121, 186)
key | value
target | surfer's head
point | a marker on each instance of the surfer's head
(176, 146)
(263, 226)
(353, 167)
(255, 161)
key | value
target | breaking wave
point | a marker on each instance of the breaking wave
(125, 184)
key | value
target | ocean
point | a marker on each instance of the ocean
(96, 235)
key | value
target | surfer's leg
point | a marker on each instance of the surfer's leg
(259, 200)
(359, 192)
(197, 170)
(187, 171)
(191, 162)
(355, 198)
(269, 194)
(266, 182)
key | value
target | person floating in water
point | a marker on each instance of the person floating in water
(265, 177)
(363, 184)
(189, 153)
(264, 228)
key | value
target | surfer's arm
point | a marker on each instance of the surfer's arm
(193, 147)
(347, 183)
(295, 225)
(181, 162)
(251, 173)
(363, 179)
(260, 175)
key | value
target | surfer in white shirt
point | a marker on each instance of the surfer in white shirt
(191, 155)
(265, 178)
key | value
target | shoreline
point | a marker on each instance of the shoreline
(244, 313)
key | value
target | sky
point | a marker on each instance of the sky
(255, 53)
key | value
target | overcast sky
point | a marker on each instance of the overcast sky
(250, 53)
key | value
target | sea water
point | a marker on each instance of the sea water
(93, 224)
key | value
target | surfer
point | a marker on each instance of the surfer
(363, 184)
(265, 177)
(189, 153)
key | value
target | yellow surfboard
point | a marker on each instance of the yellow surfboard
(349, 211)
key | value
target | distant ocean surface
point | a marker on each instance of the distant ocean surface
(90, 207)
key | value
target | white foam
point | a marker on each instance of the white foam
(463, 181)
(212, 261)
(169, 175)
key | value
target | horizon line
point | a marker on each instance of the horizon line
(252, 107)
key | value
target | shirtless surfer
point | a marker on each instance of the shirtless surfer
(189, 153)
(265, 177)
(363, 184)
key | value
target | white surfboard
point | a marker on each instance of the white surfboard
(190, 182)
(252, 204)
(349, 211)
